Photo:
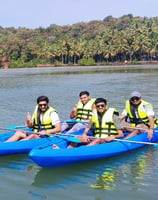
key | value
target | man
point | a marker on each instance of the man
(138, 114)
(81, 112)
(45, 121)
(103, 123)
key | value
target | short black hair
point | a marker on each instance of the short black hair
(42, 98)
(83, 93)
(99, 100)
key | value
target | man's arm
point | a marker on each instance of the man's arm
(150, 114)
(29, 120)
(85, 138)
(117, 121)
(123, 115)
(56, 123)
(151, 128)
(73, 113)
(117, 124)
(56, 129)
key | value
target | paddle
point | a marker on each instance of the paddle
(118, 122)
(76, 140)
(12, 129)
(137, 142)
(26, 131)
(119, 126)
(62, 136)
(17, 127)
(136, 128)
(70, 138)
(73, 121)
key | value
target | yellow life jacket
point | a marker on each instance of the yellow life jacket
(46, 122)
(142, 114)
(105, 127)
(84, 111)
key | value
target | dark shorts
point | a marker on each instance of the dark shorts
(41, 136)
(27, 134)
(44, 136)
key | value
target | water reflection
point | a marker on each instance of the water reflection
(128, 170)
(13, 162)
(36, 195)
(59, 177)
(132, 173)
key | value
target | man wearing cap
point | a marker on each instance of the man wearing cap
(139, 114)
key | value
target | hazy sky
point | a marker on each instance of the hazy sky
(36, 13)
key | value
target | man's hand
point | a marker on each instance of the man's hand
(109, 138)
(150, 133)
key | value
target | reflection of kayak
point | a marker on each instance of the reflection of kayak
(25, 146)
(91, 171)
(46, 156)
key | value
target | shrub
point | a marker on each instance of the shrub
(85, 61)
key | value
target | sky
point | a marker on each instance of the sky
(42, 13)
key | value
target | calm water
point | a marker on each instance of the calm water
(130, 176)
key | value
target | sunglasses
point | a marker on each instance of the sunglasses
(44, 104)
(100, 105)
(135, 98)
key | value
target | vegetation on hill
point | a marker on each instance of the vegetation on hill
(125, 39)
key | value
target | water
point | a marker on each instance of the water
(133, 175)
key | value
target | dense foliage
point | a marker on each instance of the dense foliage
(124, 39)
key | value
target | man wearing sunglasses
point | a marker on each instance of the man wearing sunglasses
(103, 123)
(138, 114)
(44, 121)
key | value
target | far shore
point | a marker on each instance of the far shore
(110, 64)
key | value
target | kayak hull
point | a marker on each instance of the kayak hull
(19, 147)
(46, 156)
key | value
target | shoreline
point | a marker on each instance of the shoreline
(114, 64)
(109, 64)
(117, 67)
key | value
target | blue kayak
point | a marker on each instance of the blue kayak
(19, 147)
(46, 156)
